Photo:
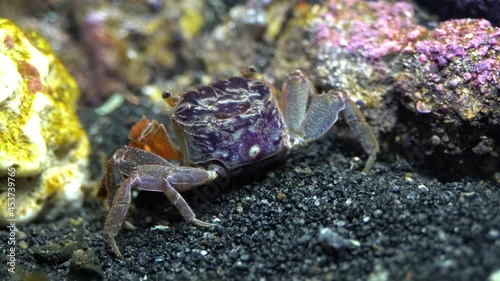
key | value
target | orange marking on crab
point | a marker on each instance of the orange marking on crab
(152, 136)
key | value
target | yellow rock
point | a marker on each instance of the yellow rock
(43, 148)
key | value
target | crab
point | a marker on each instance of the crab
(228, 126)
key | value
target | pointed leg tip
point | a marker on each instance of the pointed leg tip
(114, 247)
(369, 163)
(202, 223)
(129, 226)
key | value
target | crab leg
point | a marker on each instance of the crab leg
(321, 115)
(362, 132)
(179, 202)
(122, 164)
(171, 181)
(118, 213)
(158, 176)
(293, 99)
(309, 116)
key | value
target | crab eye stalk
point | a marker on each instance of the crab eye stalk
(169, 98)
(166, 95)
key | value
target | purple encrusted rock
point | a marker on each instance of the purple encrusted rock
(417, 83)
(465, 55)
(373, 29)
(455, 82)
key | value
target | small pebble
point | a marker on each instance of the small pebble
(21, 235)
(160, 227)
(55, 253)
(239, 208)
(494, 234)
(281, 196)
(86, 266)
(411, 196)
(332, 240)
(495, 276)
(423, 188)
(305, 171)
(409, 177)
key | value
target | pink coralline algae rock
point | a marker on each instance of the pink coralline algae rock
(351, 45)
(373, 29)
(461, 62)
(437, 89)
(455, 64)
(459, 39)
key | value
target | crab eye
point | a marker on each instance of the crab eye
(254, 151)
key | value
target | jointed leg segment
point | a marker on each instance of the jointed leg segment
(309, 115)
(362, 132)
(131, 167)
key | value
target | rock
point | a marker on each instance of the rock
(55, 253)
(330, 239)
(449, 89)
(43, 149)
(433, 91)
(495, 276)
(85, 265)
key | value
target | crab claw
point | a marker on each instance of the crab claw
(152, 136)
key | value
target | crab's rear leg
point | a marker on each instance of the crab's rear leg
(361, 131)
(293, 99)
(309, 116)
